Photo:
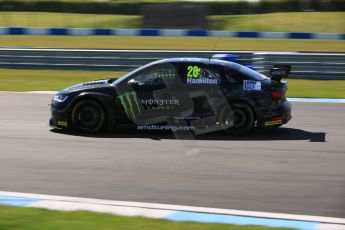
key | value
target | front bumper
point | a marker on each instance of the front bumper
(59, 116)
(60, 123)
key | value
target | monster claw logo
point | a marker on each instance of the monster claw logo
(130, 103)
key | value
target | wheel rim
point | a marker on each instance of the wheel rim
(88, 117)
(240, 118)
(229, 120)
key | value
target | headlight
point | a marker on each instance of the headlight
(60, 98)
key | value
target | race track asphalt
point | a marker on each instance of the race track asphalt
(299, 168)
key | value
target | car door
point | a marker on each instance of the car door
(144, 98)
(202, 82)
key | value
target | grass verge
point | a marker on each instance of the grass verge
(69, 20)
(30, 80)
(322, 22)
(179, 43)
(316, 88)
(328, 22)
(37, 219)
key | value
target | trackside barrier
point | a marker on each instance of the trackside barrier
(322, 66)
(330, 66)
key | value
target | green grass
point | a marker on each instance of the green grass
(331, 22)
(316, 88)
(42, 219)
(179, 43)
(69, 20)
(325, 22)
(302, 21)
(31, 80)
(124, 1)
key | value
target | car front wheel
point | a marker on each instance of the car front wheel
(88, 116)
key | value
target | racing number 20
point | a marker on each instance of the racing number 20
(193, 71)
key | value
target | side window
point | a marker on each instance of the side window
(194, 73)
(233, 76)
(156, 75)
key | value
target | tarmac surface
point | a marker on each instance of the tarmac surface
(296, 169)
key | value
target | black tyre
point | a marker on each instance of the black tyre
(242, 119)
(88, 116)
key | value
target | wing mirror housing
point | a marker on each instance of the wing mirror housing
(133, 82)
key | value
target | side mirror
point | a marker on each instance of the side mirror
(133, 82)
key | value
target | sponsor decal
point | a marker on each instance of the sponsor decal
(275, 122)
(166, 127)
(159, 102)
(62, 123)
(249, 85)
(202, 81)
(196, 76)
(186, 118)
(130, 103)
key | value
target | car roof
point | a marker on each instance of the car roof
(210, 61)
(206, 61)
(192, 59)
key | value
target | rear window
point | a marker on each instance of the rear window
(252, 73)
(242, 70)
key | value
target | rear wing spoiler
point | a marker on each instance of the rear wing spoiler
(280, 71)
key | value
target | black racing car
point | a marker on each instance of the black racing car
(195, 94)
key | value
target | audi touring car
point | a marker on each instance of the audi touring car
(195, 94)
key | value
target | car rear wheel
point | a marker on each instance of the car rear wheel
(242, 119)
(88, 116)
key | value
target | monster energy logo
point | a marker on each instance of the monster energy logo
(130, 102)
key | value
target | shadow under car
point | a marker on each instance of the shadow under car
(257, 134)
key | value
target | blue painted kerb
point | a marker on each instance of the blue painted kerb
(158, 32)
(327, 100)
(198, 217)
(16, 201)
(241, 220)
